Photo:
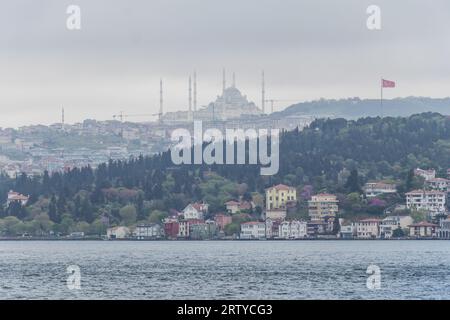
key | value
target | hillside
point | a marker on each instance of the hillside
(335, 156)
(356, 108)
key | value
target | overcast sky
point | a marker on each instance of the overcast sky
(308, 49)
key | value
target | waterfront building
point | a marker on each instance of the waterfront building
(293, 229)
(389, 224)
(444, 229)
(171, 229)
(367, 228)
(185, 227)
(324, 208)
(203, 230)
(316, 228)
(347, 232)
(148, 231)
(423, 230)
(118, 232)
(253, 230)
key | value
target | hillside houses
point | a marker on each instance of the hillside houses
(432, 201)
(278, 199)
(374, 189)
(195, 211)
(16, 197)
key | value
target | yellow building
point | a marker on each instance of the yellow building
(277, 196)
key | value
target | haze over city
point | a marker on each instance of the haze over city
(308, 50)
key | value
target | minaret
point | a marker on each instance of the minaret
(263, 94)
(234, 80)
(190, 100)
(160, 114)
(195, 91)
(224, 81)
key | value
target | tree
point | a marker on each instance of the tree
(157, 216)
(42, 224)
(53, 210)
(398, 233)
(232, 229)
(336, 226)
(97, 227)
(352, 184)
(128, 214)
(10, 225)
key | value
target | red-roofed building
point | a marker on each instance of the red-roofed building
(16, 197)
(423, 230)
(238, 206)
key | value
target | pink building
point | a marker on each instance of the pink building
(222, 220)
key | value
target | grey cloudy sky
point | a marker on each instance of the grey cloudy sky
(308, 49)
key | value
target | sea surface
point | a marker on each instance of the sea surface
(224, 269)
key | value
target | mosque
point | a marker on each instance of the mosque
(231, 104)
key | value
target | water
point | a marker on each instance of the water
(225, 270)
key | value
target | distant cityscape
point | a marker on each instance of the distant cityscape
(35, 149)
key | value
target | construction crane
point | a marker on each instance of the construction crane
(121, 115)
(272, 101)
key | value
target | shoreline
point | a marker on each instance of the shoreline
(211, 240)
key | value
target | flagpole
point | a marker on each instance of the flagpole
(381, 100)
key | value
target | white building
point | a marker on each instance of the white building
(426, 174)
(293, 230)
(444, 230)
(148, 231)
(431, 201)
(373, 189)
(439, 184)
(253, 230)
(117, 233)
(367, 228)
(391, 223)
(183, 229)
(347, 232)
(16, 197)
(195, 211)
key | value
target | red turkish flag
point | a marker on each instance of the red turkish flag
(387, 84)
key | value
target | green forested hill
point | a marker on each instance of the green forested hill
(319, 158)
